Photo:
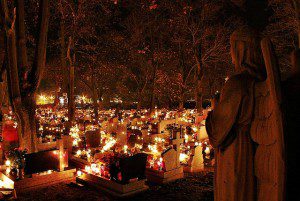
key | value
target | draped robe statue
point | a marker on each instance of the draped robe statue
(267, 130)
(249, 111)
(228, 125)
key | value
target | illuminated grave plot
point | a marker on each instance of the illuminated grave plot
(191, 156)
(122, 177)
(193, 162)
(41, 169)
(168, 168)
(114, 165)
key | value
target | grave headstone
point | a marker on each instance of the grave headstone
(42, 161)
(164, 123)
(176, 144)
(202, 134)
(122, 138)
(196, 161)
(130, 168)
(93, 138)
(169, 158)
(173, 170)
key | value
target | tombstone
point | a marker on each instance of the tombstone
(93, 138)
(164, 123)
(44, 168)
(115, 120)
(176, 144)
(202, 134)
(130, 168)
(196, 161)
(122, 138)
(104, 124)
(172, 168)
(127, 177)
(132, 140)
(169, 158)
(42, 161)
(144, 133)
(154, 128)
(112, 127)
(134, 122)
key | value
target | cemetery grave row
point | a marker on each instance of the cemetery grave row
(117, 154)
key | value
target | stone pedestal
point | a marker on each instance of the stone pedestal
(112, 187)
(162, 177)
(93, 138)
(35, 181)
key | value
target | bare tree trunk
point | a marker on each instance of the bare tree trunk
(56, 98)
(21, 36)
(181, 102)
(2, 67)
(139, 104)
(183, 74)
(95, 96)
(95, 105)
(22, 97)
(297, 11)
(199, 78)
(71, 102)
(100, 96)
(152, 98)
(63, 56)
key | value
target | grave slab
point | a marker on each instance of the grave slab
(112, 187)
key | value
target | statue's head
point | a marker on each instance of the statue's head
(246, 52)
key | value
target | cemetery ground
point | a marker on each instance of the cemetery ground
(194, 186)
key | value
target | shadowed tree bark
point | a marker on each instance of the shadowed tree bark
(2, 72)
(296, 4)
(23, 80)
(71, 102)
(199, 78)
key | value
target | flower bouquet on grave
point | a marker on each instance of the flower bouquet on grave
(155, 163)
(17, 161)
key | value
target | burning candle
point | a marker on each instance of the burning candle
(207, 151)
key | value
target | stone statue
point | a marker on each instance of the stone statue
(228, 125)
(291, 89)
(268, 132)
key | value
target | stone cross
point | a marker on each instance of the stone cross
(176, 144)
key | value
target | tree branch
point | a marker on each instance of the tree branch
(40, 51)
